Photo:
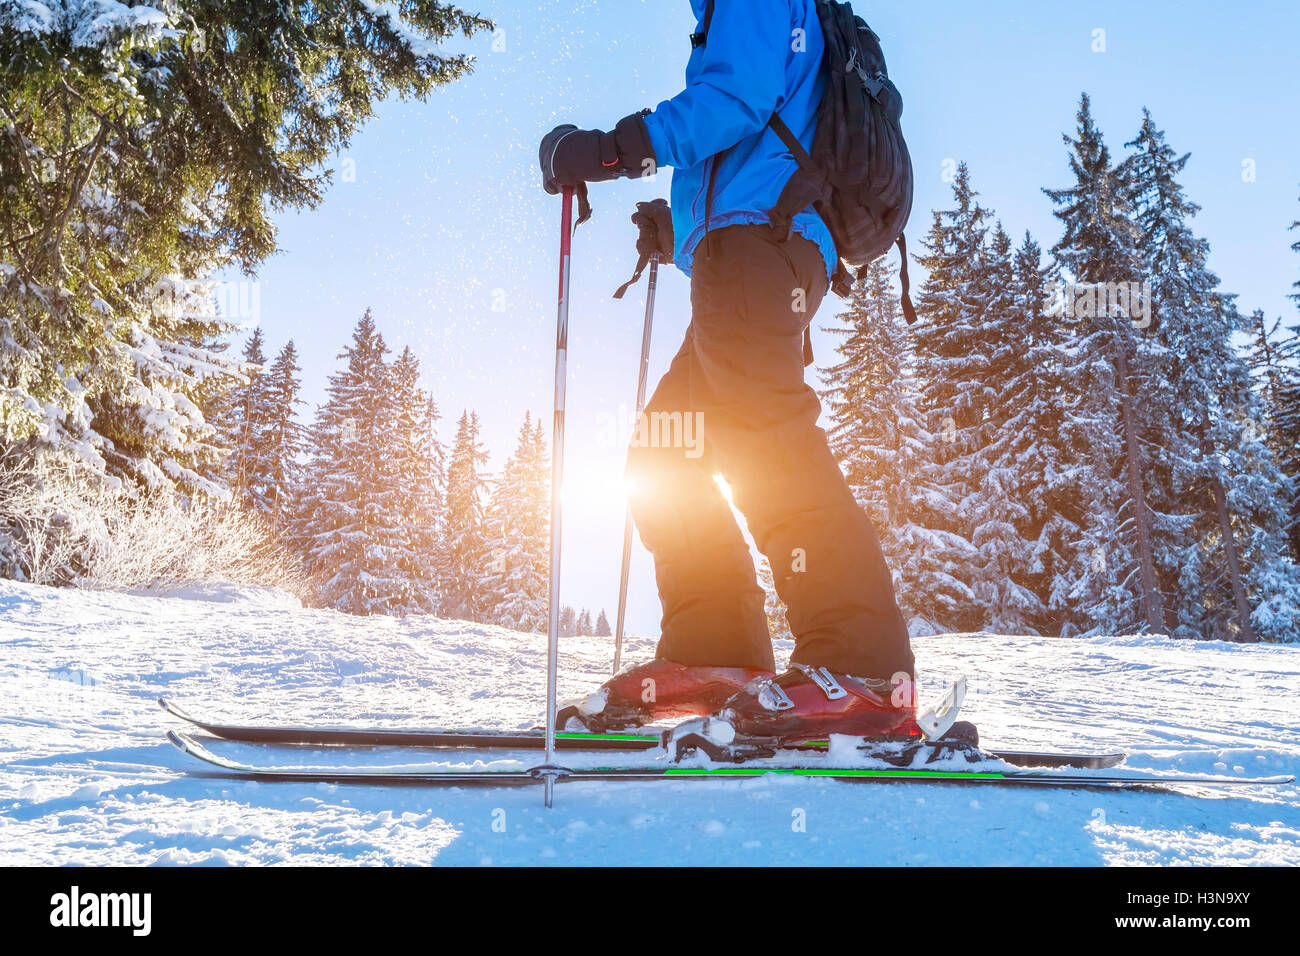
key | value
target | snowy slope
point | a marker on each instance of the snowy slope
(85, 776)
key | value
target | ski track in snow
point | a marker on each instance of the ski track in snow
(87, 778)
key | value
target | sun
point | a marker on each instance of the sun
(591, 488)
(599, 487)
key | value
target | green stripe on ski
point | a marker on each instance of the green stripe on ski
(829, 772)
(583, 736)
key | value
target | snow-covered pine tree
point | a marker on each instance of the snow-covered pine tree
(950, 365)
(999, 467)
(431, 534)
(517, 584)
(888, 457)
(1277, 618)
(387, 577)
(247, 428)
(285, 441)
(349, 522)
(1212, 477)
(417, 458)
(1286, 418)
(584, 623)
(1114, 585)
(568, 622)
(1253, 498)
(1268, 355)
(1044, 448)
(149, 429)
(1286, 428)
(602, 625)
(1177, 403)
(465, 558)
(218, 400)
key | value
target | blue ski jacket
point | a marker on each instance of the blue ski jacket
(760, 57)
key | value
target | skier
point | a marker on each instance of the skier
(738, 379)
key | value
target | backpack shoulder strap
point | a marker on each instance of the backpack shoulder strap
(791, 142)
(809, 186)
(701, 38)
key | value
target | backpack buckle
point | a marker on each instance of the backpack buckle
(875, 85)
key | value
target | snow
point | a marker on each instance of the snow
(90, 23)
(420, 46)
(29, 16)
(86, 777)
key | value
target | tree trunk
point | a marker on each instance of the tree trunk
(1247, 634)
(1152, 604)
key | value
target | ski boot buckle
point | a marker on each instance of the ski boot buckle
(823, 679)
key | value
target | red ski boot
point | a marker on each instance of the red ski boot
(657, 690)
(803, 704)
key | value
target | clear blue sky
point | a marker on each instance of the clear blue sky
(447, 236)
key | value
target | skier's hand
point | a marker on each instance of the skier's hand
(655, 221)
(570, 156)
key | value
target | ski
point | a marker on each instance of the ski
(416, 775)
(402, 737)
(535, 740)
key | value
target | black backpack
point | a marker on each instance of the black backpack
(859, 174)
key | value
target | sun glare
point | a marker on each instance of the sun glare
(724, 488)
(595, 489)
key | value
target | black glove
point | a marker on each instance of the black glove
(654, 220)
(572, 156)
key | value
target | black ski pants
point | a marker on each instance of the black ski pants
(734, 402)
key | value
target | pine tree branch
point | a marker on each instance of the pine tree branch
(22, 142)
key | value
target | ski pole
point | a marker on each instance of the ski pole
(557, 482)
(640, 408)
